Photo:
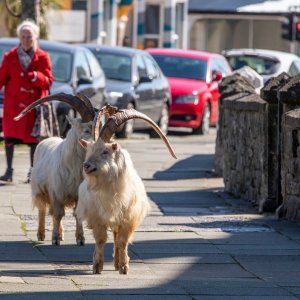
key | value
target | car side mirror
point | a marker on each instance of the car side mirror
(145, 79)
(84, 80)
(216, 76)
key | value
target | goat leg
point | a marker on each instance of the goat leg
(79, 234)
(41, 226)
(57, 232)
(116, 251)
(123, 238)
(100, 236)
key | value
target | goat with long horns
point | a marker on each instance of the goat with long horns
(112, 194)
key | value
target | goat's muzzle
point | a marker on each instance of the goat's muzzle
(88, 167)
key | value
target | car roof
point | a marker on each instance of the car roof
(114, 49)
(183, 52)
(271, 54)
(45, 44)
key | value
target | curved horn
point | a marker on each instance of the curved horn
(87, 102)
(76, 102)
(106, 111)
(121, 117)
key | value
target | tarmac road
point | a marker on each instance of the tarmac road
(197, 243)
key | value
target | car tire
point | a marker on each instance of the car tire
(205, 122)
(127, 129)
(162, 123)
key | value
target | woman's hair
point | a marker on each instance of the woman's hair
(29, 24)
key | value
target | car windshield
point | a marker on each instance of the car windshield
(61, 65)
(263, 66)
(115, 66)
(182, 67)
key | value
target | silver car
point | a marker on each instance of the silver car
(267, 63)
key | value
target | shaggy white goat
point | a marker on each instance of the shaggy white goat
(112, 194)
(57, 168)
(55, 177)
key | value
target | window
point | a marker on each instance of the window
(81, 66)
(182, 67)
(61, 65)
(151, 68)
(263, 66)
(94, 65)
(294, 68)
(115, 66)
(141, 67)
(220, 65)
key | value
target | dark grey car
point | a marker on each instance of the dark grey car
(133, 79)
(74, 68)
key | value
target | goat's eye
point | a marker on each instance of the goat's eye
(105, 152)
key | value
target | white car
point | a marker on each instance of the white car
(267, 63)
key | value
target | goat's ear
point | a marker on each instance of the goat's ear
(83, 143)
(114, 146)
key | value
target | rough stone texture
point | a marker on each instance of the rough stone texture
(290, 167)
(241, 154)
(270, 93)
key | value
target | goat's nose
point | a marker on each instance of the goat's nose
(88, 167)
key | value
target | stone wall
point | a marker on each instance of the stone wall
(258, 143)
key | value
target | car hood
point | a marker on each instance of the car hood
(182, 86)
(118, 86)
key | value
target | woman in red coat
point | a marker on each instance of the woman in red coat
(26, 74)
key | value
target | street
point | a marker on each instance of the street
(197, 243)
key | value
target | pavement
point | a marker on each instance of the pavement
(197, 243)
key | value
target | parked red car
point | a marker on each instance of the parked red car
(193, 78)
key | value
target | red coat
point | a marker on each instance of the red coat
(20, 92)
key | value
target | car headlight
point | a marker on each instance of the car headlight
(113, 97)
(191, 98)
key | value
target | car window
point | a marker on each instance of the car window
(141, 67)
(94, 65)
(182, 67)
(220, 65)
(151, 68)
(115, 65)
(3, 50)
(294, 68)
(263, 66)
(61, 65)
(81, 65)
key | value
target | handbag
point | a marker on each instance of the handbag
(46, 123)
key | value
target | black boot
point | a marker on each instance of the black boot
(7, 177)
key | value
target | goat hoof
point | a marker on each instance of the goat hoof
(124, 270)
(97, 269)
(41, 237)
(56, 242)
(81, 242)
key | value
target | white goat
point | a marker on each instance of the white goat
(55, 177)
(57, 168)
(112, 194)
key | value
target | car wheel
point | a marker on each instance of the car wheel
(162, 123)
(127, 129)
(204, 126)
